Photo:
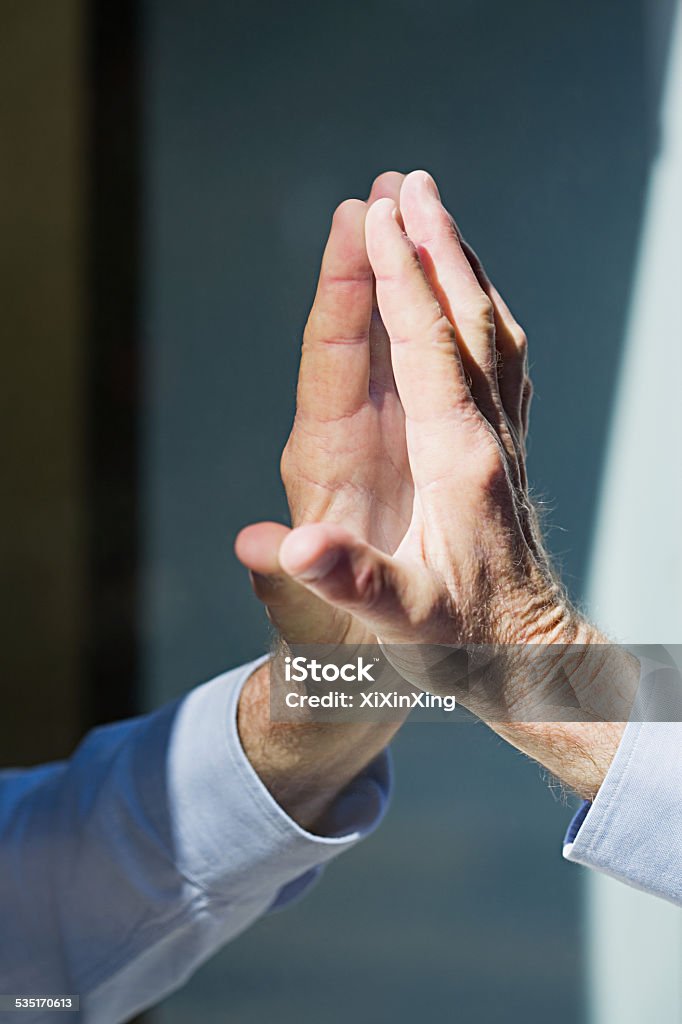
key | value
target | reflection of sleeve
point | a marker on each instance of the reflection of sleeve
(126, 867)
(633, 830)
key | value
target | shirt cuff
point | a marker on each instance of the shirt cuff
(231, 837)
(632, 829)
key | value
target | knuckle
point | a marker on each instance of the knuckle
(491, 468)
(442, 334)
(483, 314)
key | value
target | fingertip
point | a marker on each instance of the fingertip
(426, 218)
(419, 181)
(382, 208)
(345, 253)
(381, 215)
(386, 186)
(385, 237)
(241, 543)
(349, 213)
(257, 546)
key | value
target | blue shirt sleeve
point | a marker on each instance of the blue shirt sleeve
(576, 822)
(126, 867)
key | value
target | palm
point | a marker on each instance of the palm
(353, 471)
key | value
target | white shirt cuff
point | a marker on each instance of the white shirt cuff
(633, 829)
(230, 835)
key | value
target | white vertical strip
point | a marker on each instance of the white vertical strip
(635, 592)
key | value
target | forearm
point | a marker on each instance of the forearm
(305, 765)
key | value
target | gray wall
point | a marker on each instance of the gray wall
(536, 119)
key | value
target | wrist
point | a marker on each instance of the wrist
(568, 693)
(578, 754)
(307, 764)
(534, 609)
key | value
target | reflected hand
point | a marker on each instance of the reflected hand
(346, 459)
(470, 567)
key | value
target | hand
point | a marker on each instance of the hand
(470, 567)
(346, 459)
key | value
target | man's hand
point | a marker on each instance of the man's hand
(470, 568)
(346, 459)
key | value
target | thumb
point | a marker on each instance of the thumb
(298, 614)
(351, 575)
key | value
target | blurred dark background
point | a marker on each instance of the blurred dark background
(169, 173)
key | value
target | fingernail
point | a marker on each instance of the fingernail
(431, 187)
(398, 218)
